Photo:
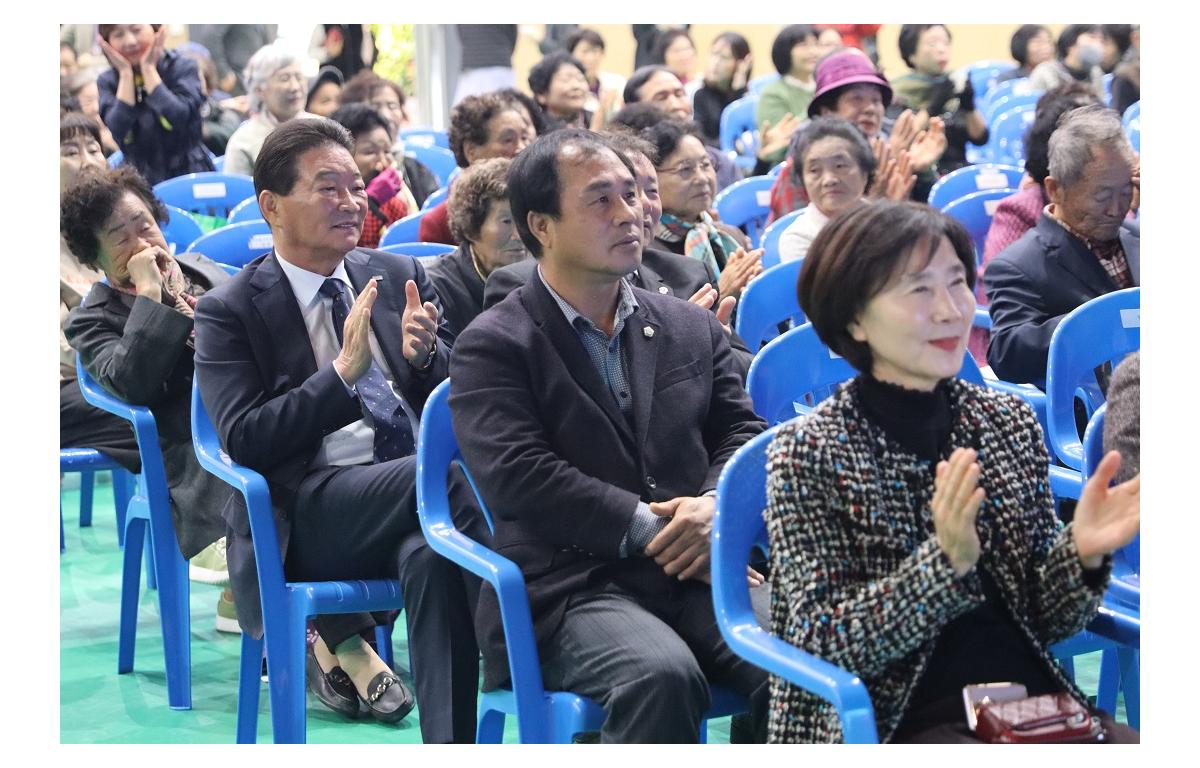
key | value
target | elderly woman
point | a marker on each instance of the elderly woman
(835, 165)
(913, 537)
(687, 184)
(135, 335)
(481, 220)
(388, 199)
(481, 127)
(151, 101)
(277, 89)
(559, 85)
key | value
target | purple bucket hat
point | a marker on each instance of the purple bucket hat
(847, 68)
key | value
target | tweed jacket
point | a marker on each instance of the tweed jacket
(858, 578)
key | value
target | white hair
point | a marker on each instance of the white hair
(1081, 133)
(265, 62)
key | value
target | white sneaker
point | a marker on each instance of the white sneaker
(209, 565)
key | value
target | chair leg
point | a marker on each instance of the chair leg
(130, 583)
(174, 593)
(249, 685)
(86, 487)
(1110, 681)
(1129, 661)
(62, 534)
(383, 644)
(285, 665)
(490, 729)
(148, 553)
(123, 484)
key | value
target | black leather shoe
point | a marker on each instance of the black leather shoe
(388, 699)
(333, 688)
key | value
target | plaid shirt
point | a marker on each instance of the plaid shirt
(373, 228)
(1111, 254)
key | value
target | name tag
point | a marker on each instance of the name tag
(208, 189)
(1131, 318)
(763, 197)
(261, 241)
(991, 180)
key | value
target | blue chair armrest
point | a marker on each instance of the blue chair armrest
(1124, 594)
(1065, 483)
(1121, 627)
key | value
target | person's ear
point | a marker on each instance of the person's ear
(268, 203)
(1054, 190)
(856, 331)
(542, 227)
(470, 151)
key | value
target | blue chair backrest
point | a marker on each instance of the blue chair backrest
(983, 76)
(771, 235)
(1108, 80)
(1133, 113)
(209, 193)
(425, 137)
(1101, 331)
(975, 212)
(973, 178)
(775, 170)
(440, 161)
(746, 204)
(181, 229)
(406, 230)
(756, 85)
(1007, 138)
(435, 197)
(739, 132)
(1017, 85)
(738, 527)
(1025, 97)
(116, 158)
(1134, 132)
(247, 210)
(236, 244)
(418, 250)
(1126, 560)
(767, 301)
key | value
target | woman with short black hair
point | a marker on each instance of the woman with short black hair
(559, 85)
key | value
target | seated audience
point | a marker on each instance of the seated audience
(1030, 45)
(604, 88)
(482, 222)
(1127, 77)
(725, 79)
(834, 163)
(325, 92)
(1078, 53)
(687, 188)
(275, 87)
(481, 127)
(794, 53)
(135, 335)
(151, 100)
(913, 538)
(925, 48)
(674, 49)
(68, 62)
(83, 88)
(314, 368)
(1116, 42)
(220, 121)
(388, 200)
(1122, 420)
(559, 84)
(529, 109)
(81, 424)
(595, 418)
(1082, 247)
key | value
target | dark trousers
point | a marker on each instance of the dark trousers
(360, 522)
(649, 663)
(83, 425)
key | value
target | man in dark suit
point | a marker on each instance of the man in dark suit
(596, 418)
(1082, 247)
(315, 362)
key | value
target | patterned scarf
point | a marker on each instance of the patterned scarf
(174, 288)
(698, 238)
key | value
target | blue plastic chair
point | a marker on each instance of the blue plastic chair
(1017, 85)
(771, 235)
(425, 137)
(1006, 142)
(756, 85)
(767, 301)
(1017, 97)
(1134, 132)
(149, 514)
(181, 229)
(973, 178)
(247, 210)
(406, 230)
(542, 716)
(87, 462)
(435, 197)
(235, 244)
(218, 163)
(286, 605)
(116, 158)
(209, 193)
(983, 74)
(1133, 114)
(1108, 81)
(746, 204)
(975, 211)
(440, 161)
(737, 528)
(419, 250)
(775, 169)
(739, 131)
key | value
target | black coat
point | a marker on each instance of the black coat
(459, 287)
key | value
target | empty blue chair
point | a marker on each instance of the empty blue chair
(149, 514)
(236, 244)
(975, 211)
(739, 131)
(756, 85)
(209, 193)
(973, 178)
(425, 137)
(286, 605)
(181, 229)
(737, 528)
(440, 161)
(767, 301)
(1026, 97)
(1101, 331)
(771, 235)
(87, 462)
(1007, 138)
(542, 716)
(419, 250)
(247, 210)
(406, 230)
(116, 158)
(746, 204)
(435, 197)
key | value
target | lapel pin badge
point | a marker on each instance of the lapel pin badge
(649, 332)
(663, 289)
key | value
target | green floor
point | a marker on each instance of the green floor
(97, 705)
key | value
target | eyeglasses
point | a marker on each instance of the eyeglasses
(685, 171)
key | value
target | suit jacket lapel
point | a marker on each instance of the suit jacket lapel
(650, 280)
(388, 312)
(1074, 257)
(276, 305)
(549, 317)
(642, 339)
